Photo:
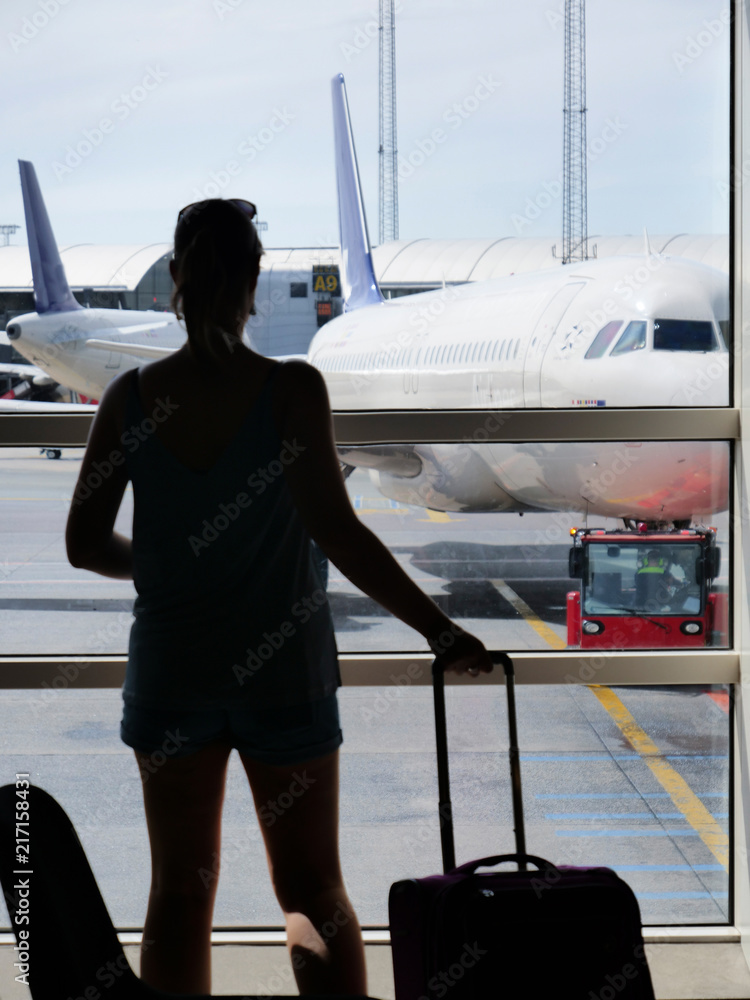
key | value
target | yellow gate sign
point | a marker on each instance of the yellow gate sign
(326, 279)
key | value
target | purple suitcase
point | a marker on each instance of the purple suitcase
(564, 933)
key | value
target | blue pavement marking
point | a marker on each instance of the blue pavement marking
(357, 503)
(668, 868)
(626, 833)
(682, 895)
(641, 815)
(624, 795)
(394, 504)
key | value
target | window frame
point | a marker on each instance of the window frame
(710, 666)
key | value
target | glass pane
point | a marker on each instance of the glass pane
(603, 339)
(634, 339)
(684, 335)
(657, 814)
(493, 548)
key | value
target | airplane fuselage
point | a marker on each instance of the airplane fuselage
(617, 332)
(522, 341)
(60, 343)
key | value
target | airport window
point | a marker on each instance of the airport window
(617, 579)
(603, 339)
(683, 335)
(634, 339)
(689, 724)
(591, 795)
(298, 290)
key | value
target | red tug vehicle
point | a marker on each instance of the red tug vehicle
(645, 589)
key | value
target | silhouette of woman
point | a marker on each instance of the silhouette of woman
(234, 470)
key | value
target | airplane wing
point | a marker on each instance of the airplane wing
(30, 372)
(136, 350)
(36, 406)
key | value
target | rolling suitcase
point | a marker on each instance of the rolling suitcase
(538, 933)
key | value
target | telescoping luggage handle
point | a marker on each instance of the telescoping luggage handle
(441, 737)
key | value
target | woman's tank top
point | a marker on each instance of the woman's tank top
(230, 609)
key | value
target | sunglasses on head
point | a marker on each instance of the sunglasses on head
(245, 206)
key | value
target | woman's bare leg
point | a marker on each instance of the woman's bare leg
(297, 808)
(183, 797)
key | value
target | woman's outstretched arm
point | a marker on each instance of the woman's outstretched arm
(90, 538)
(303, 417)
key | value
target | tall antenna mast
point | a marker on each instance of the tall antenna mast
(387, 151)
(575, 212)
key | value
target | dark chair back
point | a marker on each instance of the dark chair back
(73, 946)
(74, 951)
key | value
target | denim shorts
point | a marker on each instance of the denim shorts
(288, 735)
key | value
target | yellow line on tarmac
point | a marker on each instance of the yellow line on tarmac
(679, 791)
(438, 515)
(380, 510)
(530, 617)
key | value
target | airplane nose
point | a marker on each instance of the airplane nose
(707, 385)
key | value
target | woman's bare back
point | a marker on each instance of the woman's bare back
(209, 405)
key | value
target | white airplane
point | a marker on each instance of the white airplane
(626, 331)
(76, 347)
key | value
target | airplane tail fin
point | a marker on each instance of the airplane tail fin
(51, 289)
(358, 281)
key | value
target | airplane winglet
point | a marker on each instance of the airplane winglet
(51, 289)
(358, 281)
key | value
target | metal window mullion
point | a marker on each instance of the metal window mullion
(444, 426)
(51, 674)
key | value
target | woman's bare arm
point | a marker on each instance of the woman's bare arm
(90, 538)
(317, 486)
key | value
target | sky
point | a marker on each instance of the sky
(131, 110)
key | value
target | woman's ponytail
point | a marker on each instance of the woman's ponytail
(217, 259)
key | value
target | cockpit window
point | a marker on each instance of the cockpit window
(634, 338)
(683, 335)
(603, 339)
